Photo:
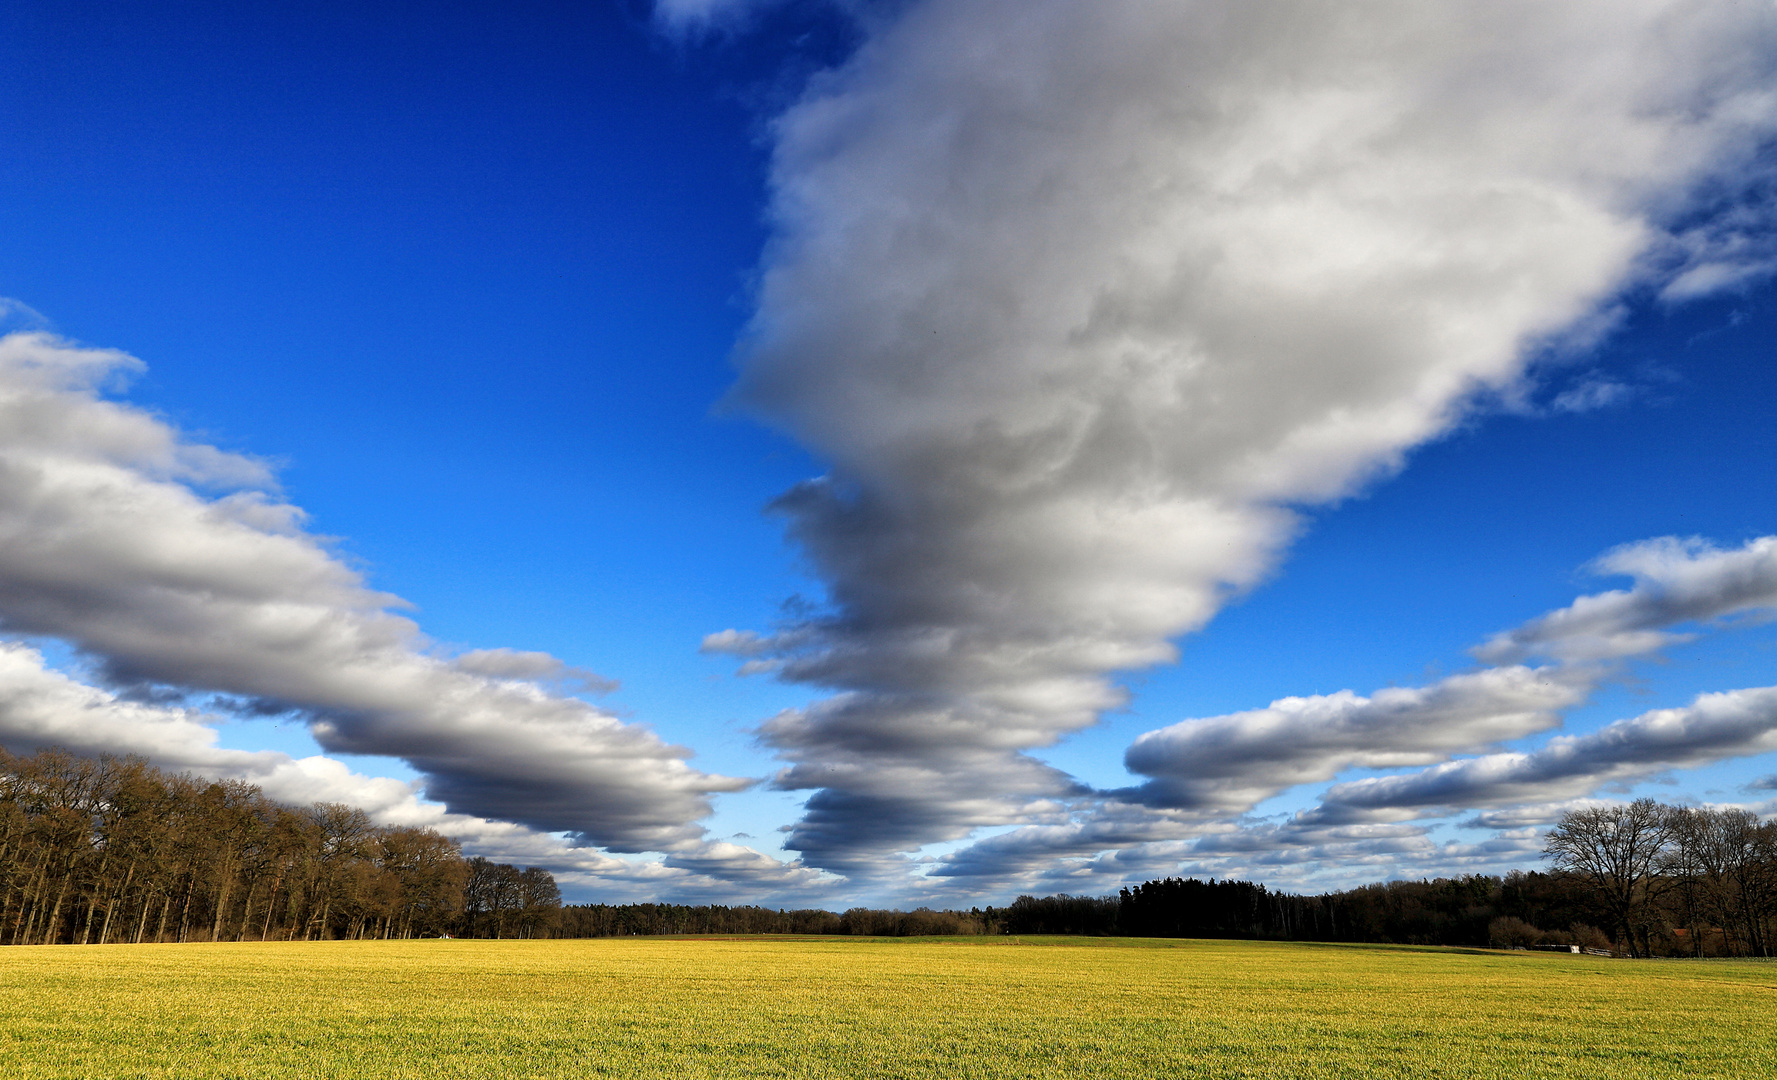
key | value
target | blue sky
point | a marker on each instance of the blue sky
(476, 285)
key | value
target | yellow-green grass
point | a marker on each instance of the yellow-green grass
(949, 1009)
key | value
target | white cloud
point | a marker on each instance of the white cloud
(1527, 814)
(1080, 300)
(1589, 396)
(108, 542)
(532, 667)
(690, 16)
(17, 317)
(40, 708)
(1733, 723)
(736, 643)
(1676, 581)
(1208, 772)
(1229, 763)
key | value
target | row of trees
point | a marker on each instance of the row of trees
(111, 850)
(1675, 879)
(621, 920)
(1643, 879)
(1459, 911)
(1468, 910)
(500, 900)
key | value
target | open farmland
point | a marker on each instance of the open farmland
(946, 1009)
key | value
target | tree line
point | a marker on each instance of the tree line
(111, 849)
(1675, 880)
(1642, 879)
(622, 920)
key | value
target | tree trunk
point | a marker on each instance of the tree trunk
(142, 923)
(86, 934)
(247, 913)
(271, 904)
(55, 913)
(111, 908)
(185, 909)
(222, 892)
(28, 913)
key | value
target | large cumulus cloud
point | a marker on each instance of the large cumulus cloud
(1080, 300)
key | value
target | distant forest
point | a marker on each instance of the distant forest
(113, 850)
(95, 851)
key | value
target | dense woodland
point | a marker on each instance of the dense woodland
(617, 920)
(1643, 879)
(113, 850)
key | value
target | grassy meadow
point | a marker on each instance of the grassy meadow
(939, 1008)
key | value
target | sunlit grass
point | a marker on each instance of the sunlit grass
(949, 1009)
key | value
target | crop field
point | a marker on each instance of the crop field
(940, 1008)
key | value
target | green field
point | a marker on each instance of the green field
(950, 1009)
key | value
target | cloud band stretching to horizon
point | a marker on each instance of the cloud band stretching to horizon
(106, 543)
(1207, 773)
(1733, 723)
(1230, 763)
(1676, 581)
(1079, 301)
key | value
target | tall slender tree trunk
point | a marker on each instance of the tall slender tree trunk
(33, 906)
(14, 889)
(185, 909)
(13, 886)
(247, 912)
(86, 934)
(55, 913)
(1747, 915)
(116, 902)
(142, 923)
(271, 904)
(222, 899)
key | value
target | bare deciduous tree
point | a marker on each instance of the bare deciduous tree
(110, 849)
(1618, 849)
